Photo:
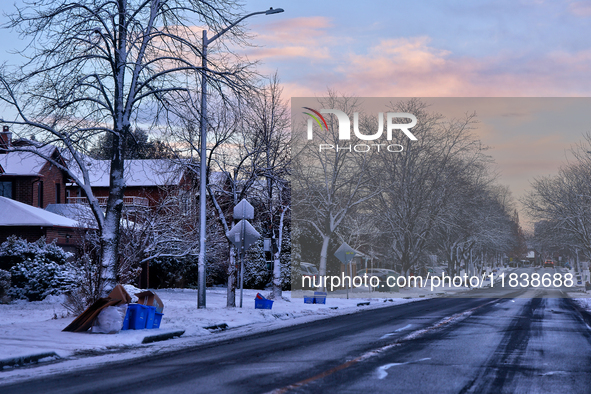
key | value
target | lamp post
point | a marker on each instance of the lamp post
(203, 150)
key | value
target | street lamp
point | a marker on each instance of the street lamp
(203, 150)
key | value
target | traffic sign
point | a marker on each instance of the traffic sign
(244, 210)
(345, 253)
(250, 234)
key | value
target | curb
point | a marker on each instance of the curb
(22, 360)
(163, 337)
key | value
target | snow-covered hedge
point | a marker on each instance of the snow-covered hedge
(37, 269)
(35, 279)
(257, 273)
(4, 286)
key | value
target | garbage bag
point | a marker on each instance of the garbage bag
(110, 320)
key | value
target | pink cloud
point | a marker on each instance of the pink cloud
(580, 8)
(411, 67)
(304, 37)
(299, 31)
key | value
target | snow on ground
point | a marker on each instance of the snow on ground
(585, 303)
(30, 328)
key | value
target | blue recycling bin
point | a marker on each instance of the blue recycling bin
(157, 320)
(263, 303)
(138, 316)
(319, 297)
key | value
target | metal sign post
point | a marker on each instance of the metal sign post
(345, 254)
(243, 235)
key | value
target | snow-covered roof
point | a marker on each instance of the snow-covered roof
(16, 213)
(82, 214)
(79, 212)
(150, 172)
(24, 163)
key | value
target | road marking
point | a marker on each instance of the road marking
(372, 353)
(551, 373)
(395, 331)
(382, 370)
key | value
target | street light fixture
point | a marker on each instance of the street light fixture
(203, 150)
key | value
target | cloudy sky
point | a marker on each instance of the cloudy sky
(501, 48)
(517, 48)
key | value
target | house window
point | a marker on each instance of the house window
(6, 189)
(58, 193)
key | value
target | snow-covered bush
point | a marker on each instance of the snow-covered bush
(4, 286)
(36, 269)
(36, 279)
(173, 272)
(17, 250)
(258, 272)
(87, 276)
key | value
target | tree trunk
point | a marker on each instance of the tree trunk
(277, 291)
(231, 292)
(111, 231)
(323, 258)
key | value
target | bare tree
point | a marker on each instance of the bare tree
(328, 185)
(98, 67)
(232, 168)
(268, 123)
(478, 221)
(422, 182)
(564, 203)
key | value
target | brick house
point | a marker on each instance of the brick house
(32, 223)
(28, 178)
(146, 181)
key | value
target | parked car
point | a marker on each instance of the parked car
(381, 273)
(309, 270)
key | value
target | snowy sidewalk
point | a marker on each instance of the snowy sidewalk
(30, 331)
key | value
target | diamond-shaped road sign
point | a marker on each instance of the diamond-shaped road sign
(250, 234)
(243, 210)
(345, 253)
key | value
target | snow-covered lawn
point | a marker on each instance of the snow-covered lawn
(29, 328)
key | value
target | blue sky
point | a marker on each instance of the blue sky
(527, 48)
(519, 48)
(429, 48)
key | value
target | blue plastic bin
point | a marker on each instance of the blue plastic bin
(263, 303)
(157, 320)
(319, 297)
(150, 317)
(126, 320)
(138, 315)
(308, 300)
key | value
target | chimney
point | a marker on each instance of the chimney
(5, 139)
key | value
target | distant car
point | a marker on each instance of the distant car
(370, 271)
(382, 273)
(548, 264)
(309, 270)
(379, 272)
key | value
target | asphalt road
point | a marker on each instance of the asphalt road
(458, 345)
